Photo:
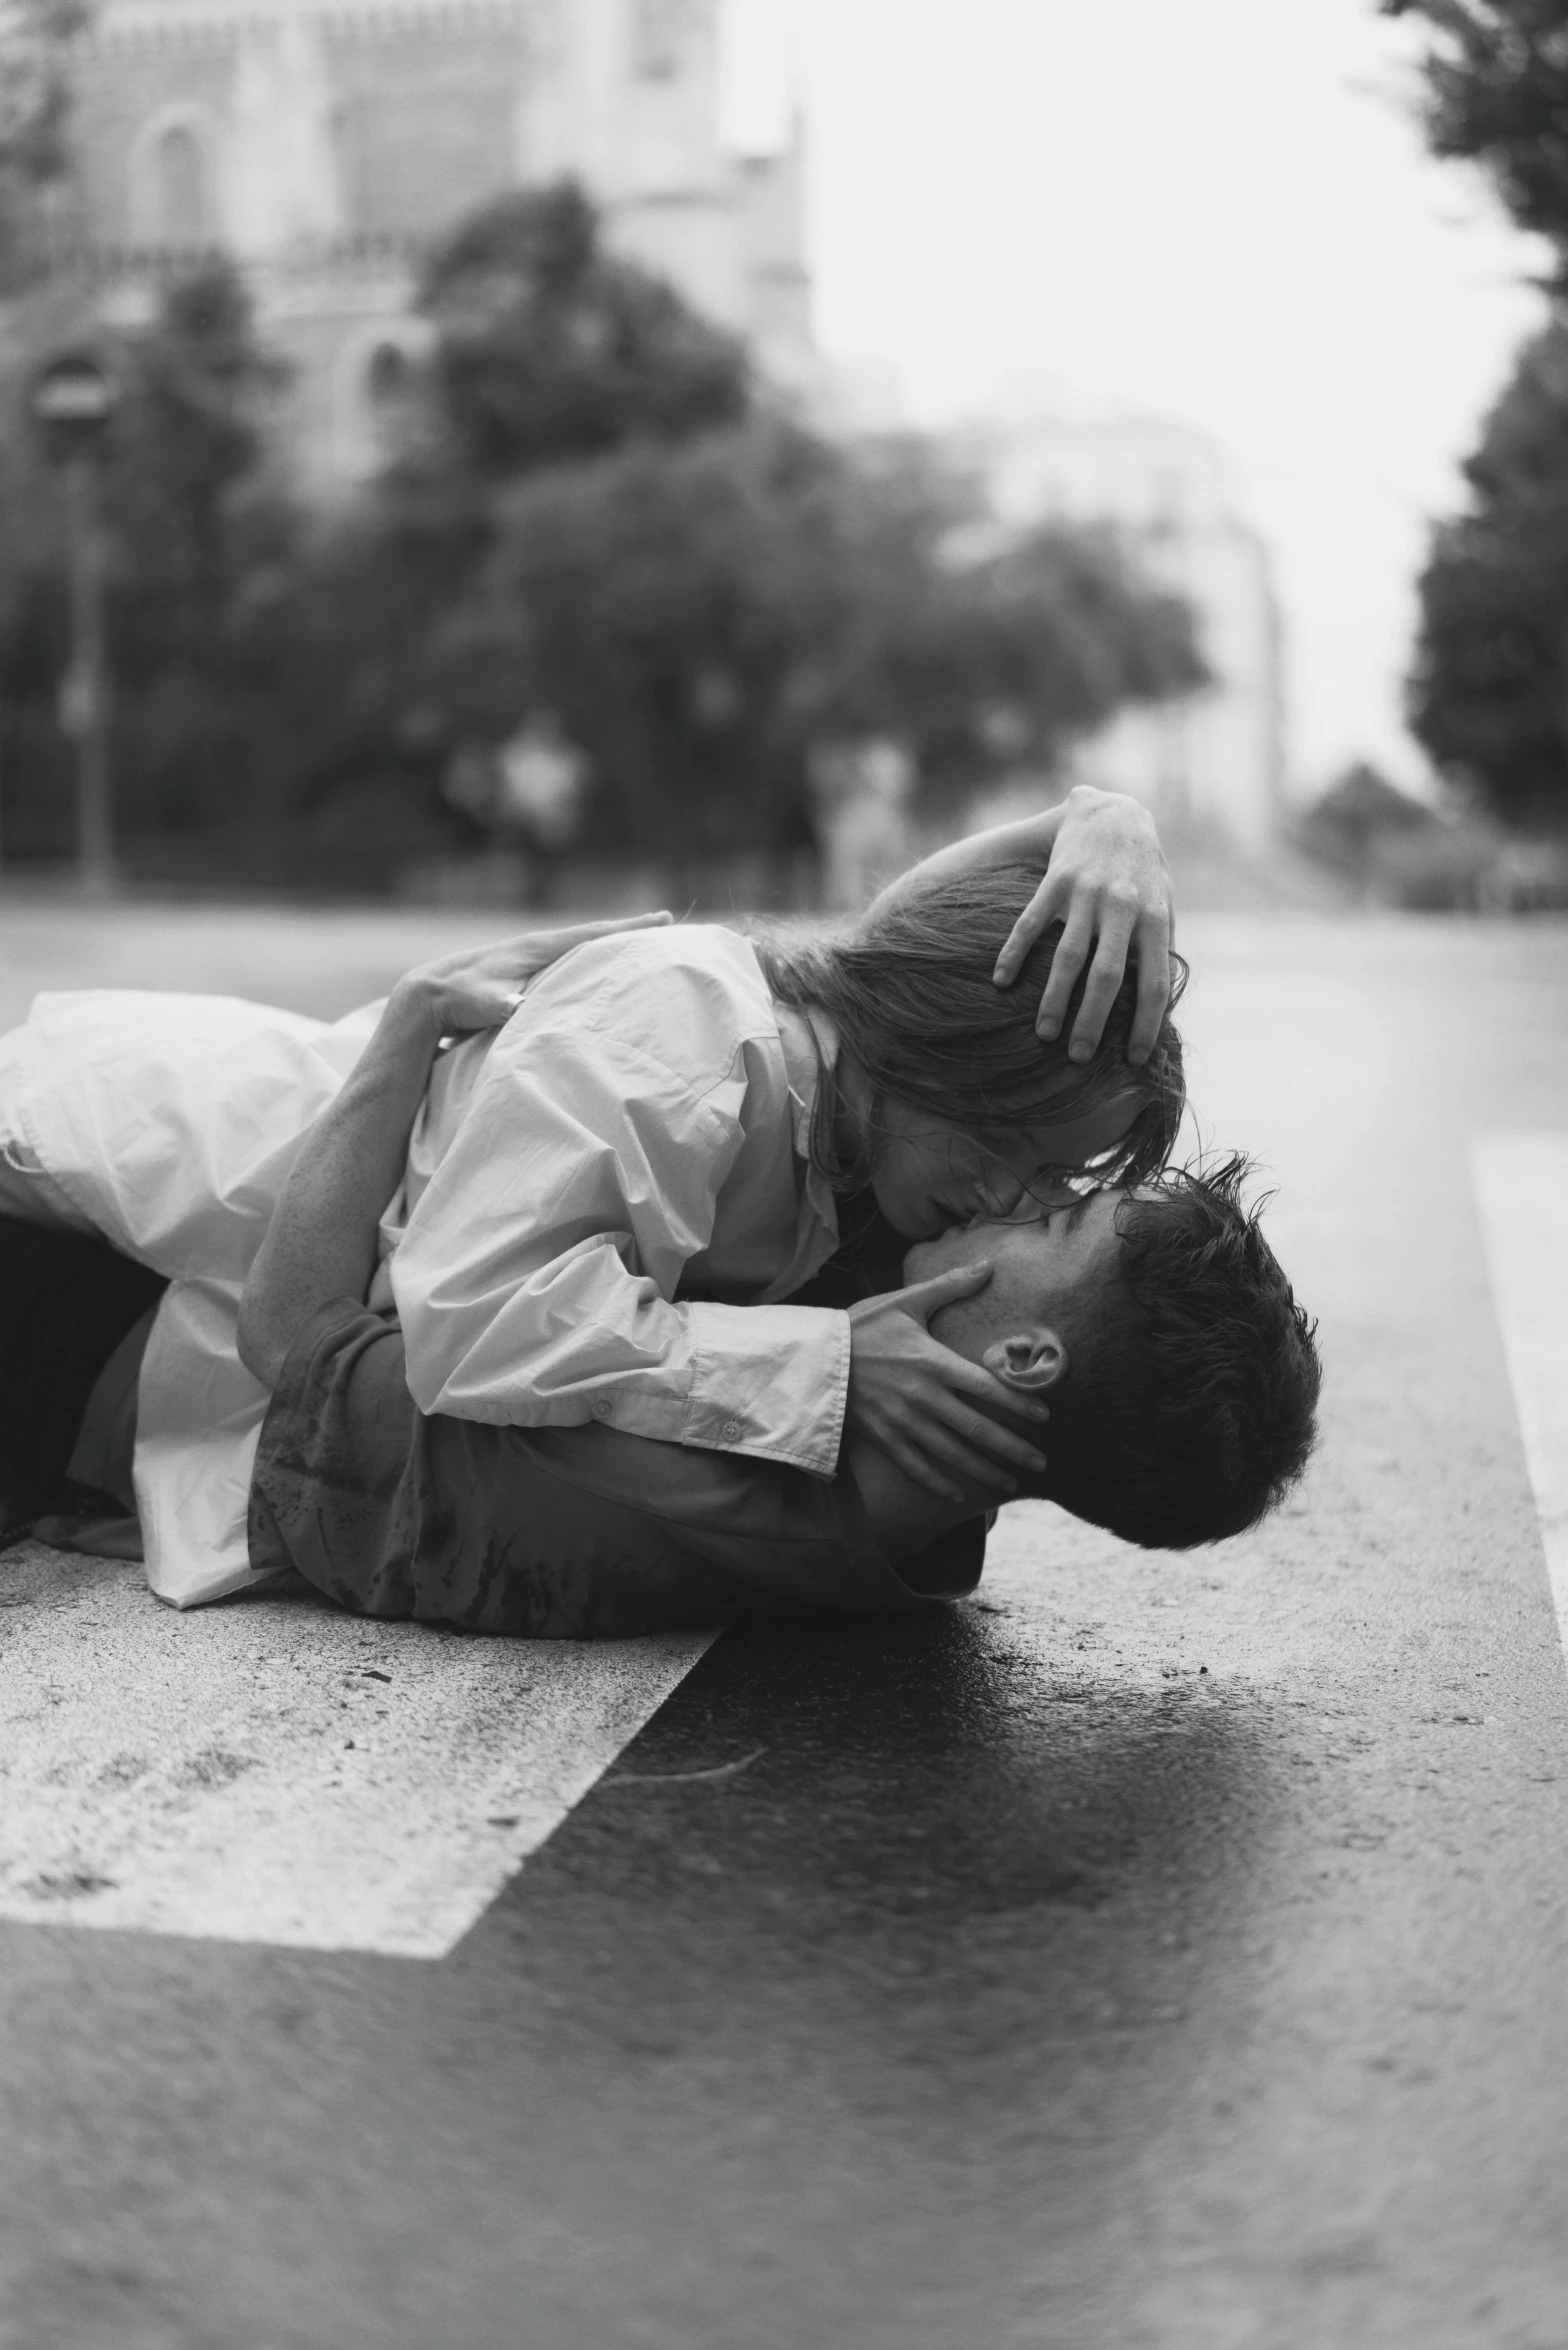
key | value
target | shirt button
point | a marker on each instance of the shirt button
(603, 1408)
(731, 1431)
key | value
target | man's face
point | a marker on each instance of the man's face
(1047, 1274)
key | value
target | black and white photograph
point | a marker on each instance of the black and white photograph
(783, 1175)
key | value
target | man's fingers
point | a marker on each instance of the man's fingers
(978, 1458)
(946, 1452)
(958, 1383)
(1154, 986)
(1106, 974)
(981, 1434)
(921, 1468)
(967, 1462)
(1072, 952)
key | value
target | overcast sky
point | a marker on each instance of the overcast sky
(1217, 210)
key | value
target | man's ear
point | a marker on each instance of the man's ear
(1032, 1362)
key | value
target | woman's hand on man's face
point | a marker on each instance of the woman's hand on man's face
(929, 1409)
(1109, 886)
(481, 987)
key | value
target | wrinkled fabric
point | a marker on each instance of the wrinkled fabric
(572, 1533)
(634, 1134)
(168, 1123)
(633, 1165)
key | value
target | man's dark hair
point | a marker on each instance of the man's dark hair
(1188, 1409)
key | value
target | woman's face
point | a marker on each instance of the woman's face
(932, 1174)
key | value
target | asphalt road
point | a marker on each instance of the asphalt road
(1160, 1952)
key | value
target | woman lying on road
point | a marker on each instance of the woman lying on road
(663, 1129)
(1180, 1373)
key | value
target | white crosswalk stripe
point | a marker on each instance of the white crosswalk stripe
(272, 1771)
(1521, 1183)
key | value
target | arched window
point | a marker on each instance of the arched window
(179, 187)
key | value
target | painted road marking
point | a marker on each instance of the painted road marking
(273, 1771)
(1521, 1182)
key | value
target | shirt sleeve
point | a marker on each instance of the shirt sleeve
(389, 1514)
(559, 1534)
(536, 1281)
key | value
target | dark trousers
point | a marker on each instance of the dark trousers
(66, 1302)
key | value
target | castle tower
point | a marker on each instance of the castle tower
(326, 143)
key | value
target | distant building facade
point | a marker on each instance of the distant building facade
(1216, 757)
(324, 144)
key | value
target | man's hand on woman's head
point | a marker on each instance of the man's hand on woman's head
(1108, 884)
(481, 987)
(926, 1407)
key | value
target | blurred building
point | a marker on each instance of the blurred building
(1214, 758)
(324, 143)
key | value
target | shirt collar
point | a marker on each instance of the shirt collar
(810, 1043)
(811, 1049)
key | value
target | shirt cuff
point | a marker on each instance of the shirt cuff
(768, 1381)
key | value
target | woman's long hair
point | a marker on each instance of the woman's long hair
(910, 992)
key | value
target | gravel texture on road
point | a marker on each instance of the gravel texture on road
(1158, 1953)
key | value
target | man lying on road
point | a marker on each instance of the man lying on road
(1181, 1375)
(613, 1199)
(1182, 1381)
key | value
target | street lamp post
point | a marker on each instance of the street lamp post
(73, 399)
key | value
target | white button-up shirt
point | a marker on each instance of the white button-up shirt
(634, 1154)
(638, 1131)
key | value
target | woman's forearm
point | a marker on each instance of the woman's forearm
(321, 1243)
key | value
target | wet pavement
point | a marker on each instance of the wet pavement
(1157, 1951)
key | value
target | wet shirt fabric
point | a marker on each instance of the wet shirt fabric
(635, 1153)
(551, 1533)
(633, 1168)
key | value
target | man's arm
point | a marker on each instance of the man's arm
(1106, 881)
(321, 1242)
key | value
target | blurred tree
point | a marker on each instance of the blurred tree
(1497, 87)
(702, 620)
(192, 522)
(1002, 660)
(35, 42)
(549, 348)
(1489, 693)
(594, 536)
(185, 484)
(197, 524)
